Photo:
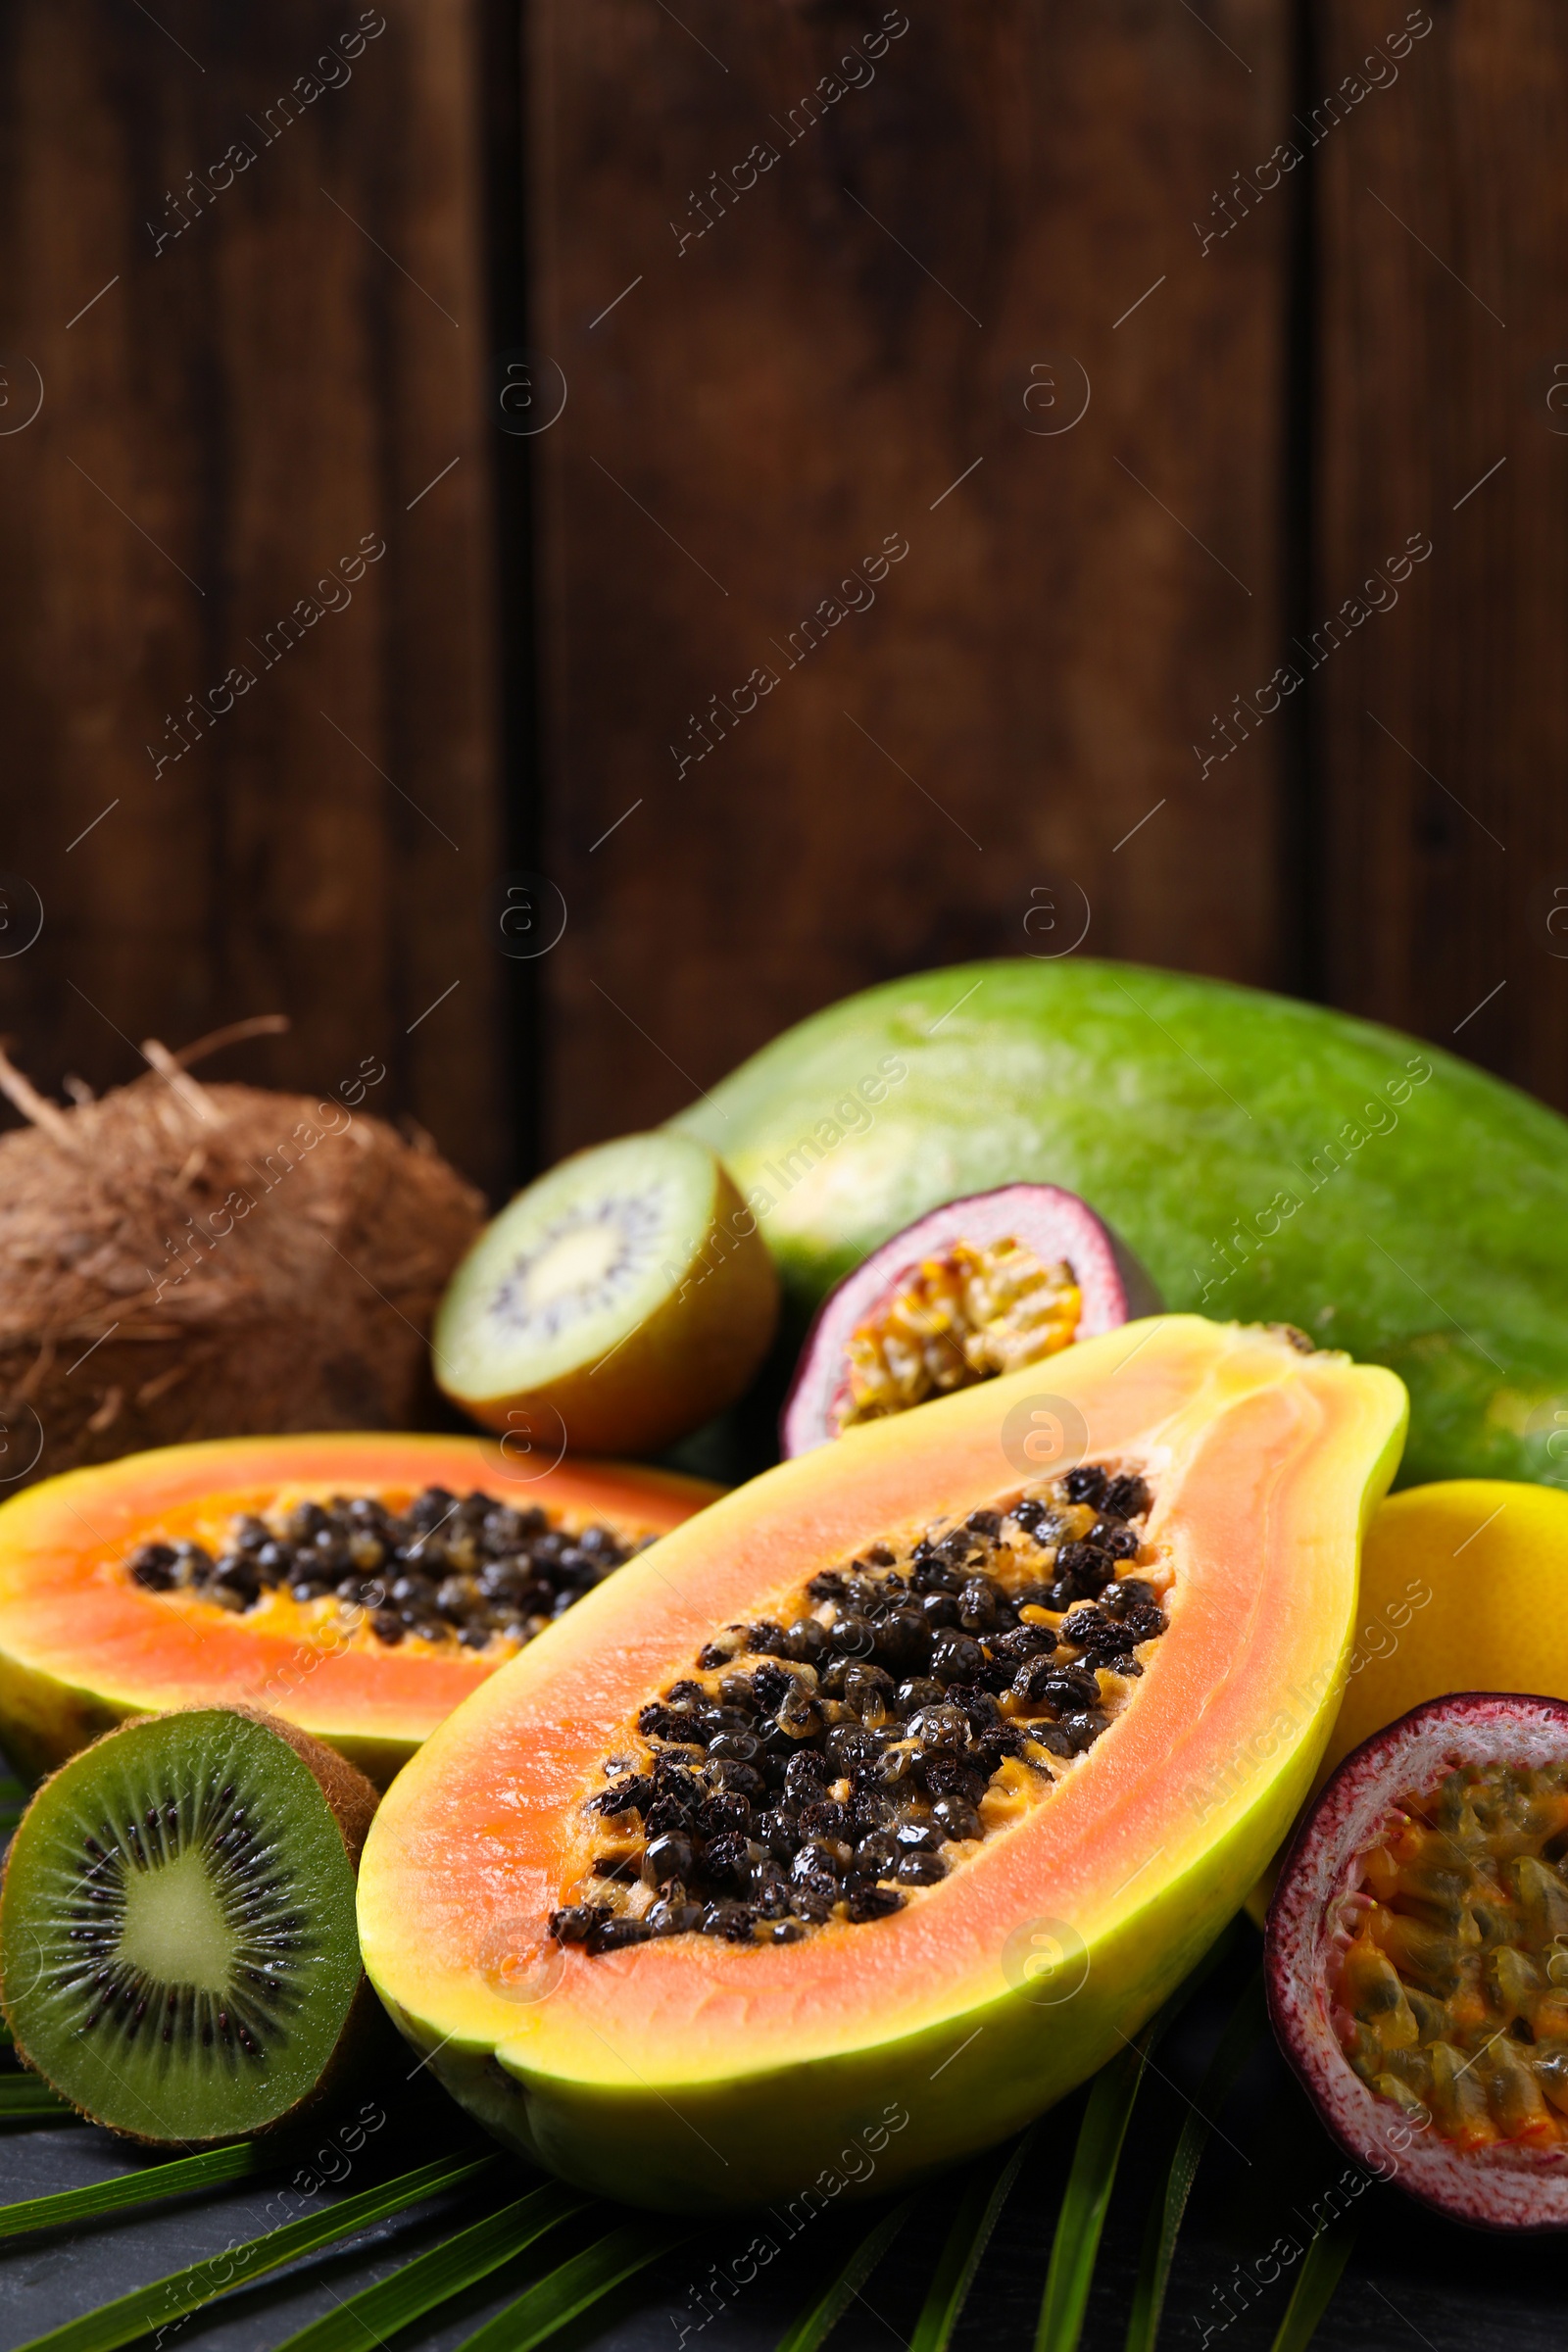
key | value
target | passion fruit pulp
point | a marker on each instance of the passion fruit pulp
(979, 1288)
(1417, 1957)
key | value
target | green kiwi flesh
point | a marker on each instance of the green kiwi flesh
(178, 1946)
(618, 1304)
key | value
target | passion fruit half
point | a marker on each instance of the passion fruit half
(1417, 1957)
(983, 1286)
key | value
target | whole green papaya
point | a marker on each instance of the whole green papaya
(1269, 1160)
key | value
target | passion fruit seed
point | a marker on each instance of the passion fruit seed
(476, 1572)
(1453, 1992)
(976, 1311)
(822, 1764)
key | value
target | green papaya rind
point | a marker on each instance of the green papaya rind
(1265, 1158)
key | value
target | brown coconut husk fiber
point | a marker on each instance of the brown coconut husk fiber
(181, 1262)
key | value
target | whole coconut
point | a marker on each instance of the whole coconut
(182, 1261)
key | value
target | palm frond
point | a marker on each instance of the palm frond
(213, 2169)
(1077, 2243)
(1075, 2246)
(1247, 2025)
(552, 2301)
(181, 2291)
(979, 2210)
(817, 2321)
(1326, 2258)
(368, 2318)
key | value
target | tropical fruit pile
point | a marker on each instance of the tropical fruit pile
(1072, 1618)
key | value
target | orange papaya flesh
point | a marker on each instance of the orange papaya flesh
(84, 1645)
(691, 2072)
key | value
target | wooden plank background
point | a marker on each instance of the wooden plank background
(248, 377)
(820, 278)
(775, 392)
(1444, 327)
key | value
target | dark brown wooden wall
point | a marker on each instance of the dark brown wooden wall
(237, 390)
(1067, 684)
(1442, 324)
(920, 283)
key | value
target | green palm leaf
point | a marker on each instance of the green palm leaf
(559, 2297)
(1244, 2030)
(817, 2322)
(182, 2291)
(211, 2170)
(979, 2210)
(1082, 2218)
(1326, 2258)
(369, 2317)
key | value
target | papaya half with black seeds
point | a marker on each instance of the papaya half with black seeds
(358, 1583)
(887, 1796)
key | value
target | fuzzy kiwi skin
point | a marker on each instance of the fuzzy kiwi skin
(366, 2033)
(692, 1358)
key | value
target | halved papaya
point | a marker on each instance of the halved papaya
(867, 1816)
(358, 1583)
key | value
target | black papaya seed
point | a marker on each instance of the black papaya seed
(940, 1727)
(1052, 1738)
(804, 1776)
(814, 1896)
(903, 1639)
(799, 1714)
(807, 1640)
(980, 1605)
(734, 1921)
(932, 1577)
(1084, 1569)
(1126, 1497)
(153, 1565)
(724, 1815)
(920, 1869)
(849, 1636)
(615, 1935)
(916, 1837)
(666, 1857)
(1115, 1537)
(956, 1657)
(735, 1745)
(875, 1902)
(957, 1817)
(771, 1685)
(576, 1923)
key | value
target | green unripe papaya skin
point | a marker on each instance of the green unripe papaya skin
(1266, 1159)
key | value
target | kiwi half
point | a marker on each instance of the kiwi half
(618, 1303)
(178, 1946)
